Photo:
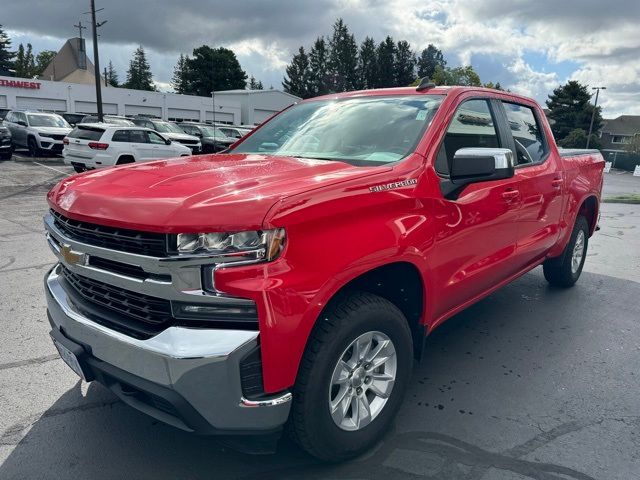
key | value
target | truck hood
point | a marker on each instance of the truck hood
(230, 192)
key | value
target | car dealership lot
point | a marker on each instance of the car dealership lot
(532, 382)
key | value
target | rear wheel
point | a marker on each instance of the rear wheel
(79, 168)
(6, 155)
(352, 377)
(32, 145)
(565, 270)
(125, 159)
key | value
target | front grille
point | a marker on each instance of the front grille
(136, 314)
(142, 243)
(188, 142)
(57, 137)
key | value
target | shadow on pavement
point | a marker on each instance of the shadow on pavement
(500, 357)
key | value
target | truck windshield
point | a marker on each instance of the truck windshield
(361, 131)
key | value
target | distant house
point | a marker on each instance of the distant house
(616, 133)
(71, 64)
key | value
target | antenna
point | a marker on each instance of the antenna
(425, 84)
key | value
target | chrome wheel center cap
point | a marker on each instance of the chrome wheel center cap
(358, 377)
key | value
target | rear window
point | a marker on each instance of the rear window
(86, 133)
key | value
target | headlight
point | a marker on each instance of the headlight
(239, 246)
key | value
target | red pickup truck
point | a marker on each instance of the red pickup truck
(294, 279)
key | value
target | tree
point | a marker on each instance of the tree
(577, 138)
(430, 58)
(404, 64)
(570, 107)
(43, 59)
(112, 75)
(465, 76)
(343, 58)
(368, 64)
(297, 82)
(213, 69)
(386, 63)
(320, 81)
(6, 55)
(255, 85)
(25, 64)
(633, 146)
(139, 76)
(180, 81)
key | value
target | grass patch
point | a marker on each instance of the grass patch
(633, 198)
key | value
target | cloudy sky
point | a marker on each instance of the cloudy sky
(529, 46)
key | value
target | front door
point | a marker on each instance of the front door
(476, 238)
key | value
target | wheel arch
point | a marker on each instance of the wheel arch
(129, 157)
(589, 208)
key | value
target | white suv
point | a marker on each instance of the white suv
(39, 132)
(98, 145)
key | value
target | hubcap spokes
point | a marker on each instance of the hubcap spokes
(362, 381)
(578, 252)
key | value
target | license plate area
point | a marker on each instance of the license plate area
(69, 356)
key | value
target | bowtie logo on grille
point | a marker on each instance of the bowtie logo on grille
(71, 257)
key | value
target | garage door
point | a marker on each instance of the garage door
(260, 116)
(131, 110)
(3, 101)
(90, 107)
(221, 117)
(183, 114)
(35, 103)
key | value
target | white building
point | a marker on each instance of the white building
(238, 107)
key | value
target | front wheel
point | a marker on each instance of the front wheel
(352, 377)
(565, 270)
(34, 151)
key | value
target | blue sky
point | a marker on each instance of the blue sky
(530, 47)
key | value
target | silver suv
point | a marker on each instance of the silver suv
(38, 131)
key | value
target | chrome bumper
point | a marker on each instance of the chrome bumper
(200, 365)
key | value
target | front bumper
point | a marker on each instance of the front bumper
(186, 377)
(50, 144)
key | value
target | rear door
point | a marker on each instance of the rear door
(477, 231)
(140, 144)
(540, 182)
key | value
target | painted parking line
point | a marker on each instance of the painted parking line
(52, 168)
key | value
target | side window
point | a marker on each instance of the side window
(155, 138)
(472, 126)
(22, 117)
(120, 136)
(527, 134)
(9, 117)
(137, 136)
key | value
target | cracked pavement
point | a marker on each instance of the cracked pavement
(530, 383)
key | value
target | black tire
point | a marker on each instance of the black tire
(32, 145)
(560, 271)
(79, 169)
(311, 424)
(125, 159)
(5, 155)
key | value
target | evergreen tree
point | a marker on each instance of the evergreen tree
(404, 64)
(319, 68)
(367, 64)
(139, 76)
(180, 81)
(577, 138)
(6, 55)
(430, 58)
(297, 82)
(43, 59)
(112, 75)
(212, 70)
(343, 58)
(386, 63)
(255, 85)
(571, 108)
(19, 65)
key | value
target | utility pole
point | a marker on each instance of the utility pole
(213, 100)
(96, 60)
(593, 113)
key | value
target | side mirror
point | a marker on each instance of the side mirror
(473, 165)
(167, 141)
(22, 123)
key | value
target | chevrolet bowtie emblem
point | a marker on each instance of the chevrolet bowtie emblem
(72, 257)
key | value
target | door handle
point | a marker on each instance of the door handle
(556, 182)
(510, 195)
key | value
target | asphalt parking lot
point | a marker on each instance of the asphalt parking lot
(532, 382)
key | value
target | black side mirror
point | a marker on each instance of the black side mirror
(167, 141)
(22, 123)
(473, 165)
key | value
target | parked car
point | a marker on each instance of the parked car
(6, 149)
(170, 130)
(296, 277)
(39, 132)
(110, 119)
(234, 132)
(98, 145)
(213, 138)
(73, 118)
